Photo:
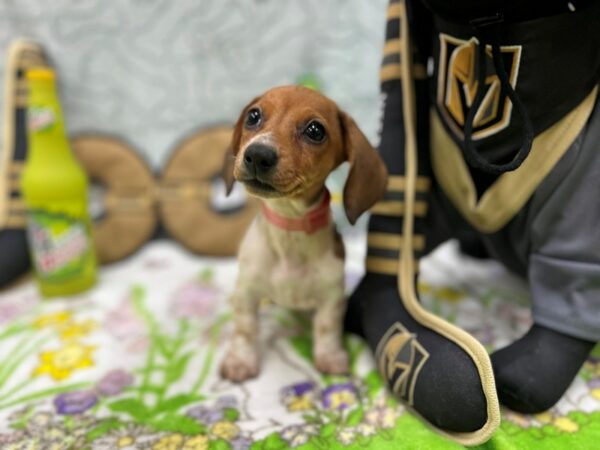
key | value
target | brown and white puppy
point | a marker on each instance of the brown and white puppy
(285, 144)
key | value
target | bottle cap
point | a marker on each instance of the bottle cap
(40, 74)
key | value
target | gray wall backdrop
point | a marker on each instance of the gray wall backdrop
(155, 70)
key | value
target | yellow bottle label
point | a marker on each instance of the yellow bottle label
(60, 245)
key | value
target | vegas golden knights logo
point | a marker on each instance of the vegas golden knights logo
(457, 86)
(401, 358)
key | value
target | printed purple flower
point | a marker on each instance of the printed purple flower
(226, 401)
(9, 310)
(195, 300)
(339, 396)
(299, 397)
(114, 382)
(206, 415)
(298, 389)
(123, 322)
(75, 402)
(241, 443)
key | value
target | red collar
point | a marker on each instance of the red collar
(315, 219)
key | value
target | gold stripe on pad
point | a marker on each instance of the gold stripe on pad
(15, 221)
(391, 47)
(394, 10)
(14, 185)
(382, 265)
(390, 72)
(15, 168)
(16, 204)
(398, 183)
(396, 208)
(389, 241)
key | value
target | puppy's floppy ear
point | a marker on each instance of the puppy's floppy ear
(234, 148)
(367, 179)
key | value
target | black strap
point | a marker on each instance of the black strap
(487, 34)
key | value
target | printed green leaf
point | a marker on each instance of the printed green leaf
(272, 442)
(219, 444)
(178, 423)
(327, 430)
(132, 406)
(162, 343)
(231, 414)
(311, 418)
(303, 346)
(103, 428)
(175, 372)
(355, 417)
(373, 382)
(172, 404)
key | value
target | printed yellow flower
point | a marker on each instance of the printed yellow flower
(75, 330)
(388, 418)
(544, 417)
(61, 363)
(51, 319)
(199, 442)
(55, 434)
(424, 288)
(449, 294)
(346, 436)
(225, 430)
(338, 399)
(169, 442)
(125, 441)
(366, 429)
(565, 424)
(302, 403)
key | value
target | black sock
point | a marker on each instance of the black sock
(447, 390)
(534, 372)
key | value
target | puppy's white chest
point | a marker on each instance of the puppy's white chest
(308, 284)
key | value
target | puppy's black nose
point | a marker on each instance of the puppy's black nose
(260, 157)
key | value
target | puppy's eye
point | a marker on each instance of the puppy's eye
(253, 118)
(315, 132)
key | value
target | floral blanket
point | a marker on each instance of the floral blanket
(133, 364)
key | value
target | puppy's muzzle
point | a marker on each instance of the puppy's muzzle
(260, 160)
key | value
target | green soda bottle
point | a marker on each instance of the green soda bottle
(55, 190)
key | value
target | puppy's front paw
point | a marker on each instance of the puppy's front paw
(333, 363)
(238, 366)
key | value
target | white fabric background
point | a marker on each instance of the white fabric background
(153, 71)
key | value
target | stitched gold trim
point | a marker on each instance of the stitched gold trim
(390, 72)
(509, 193)
(384, 266)
(389, 241)
(14, 185)
(16, 204)
(15, 168)
(396, 208)
(391, 46)
(406, 272)
(15, 221)
(393, 71)
(394, 11)
(20, 54)
(398, 183)
(390, 353)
